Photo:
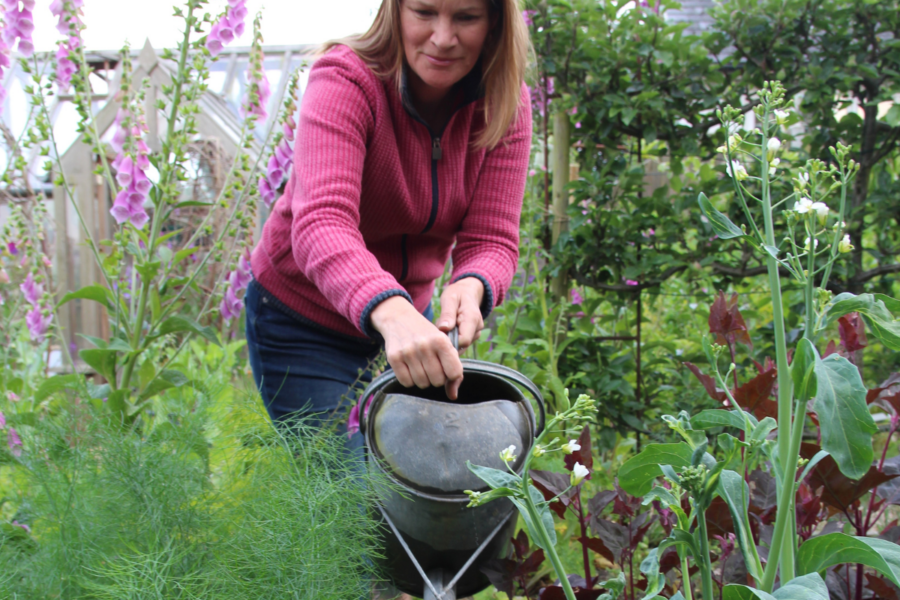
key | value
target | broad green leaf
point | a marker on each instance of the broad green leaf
(806, 587)
(655, 581)
(717, 417)
(97, 293)
(874, 311)
(183, 324)
(812, 463)
(169, 378)
(495, 477)
(98, 342)
(844, 418)
(803, 370)
(721, 224)
(819, 553)
(736, 493)
(57, 383)
(742, 592)
(98, 392)
(102, 360)
(120, 345)
(637, 474)
(543, 508)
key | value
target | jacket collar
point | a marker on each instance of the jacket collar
(467, 90)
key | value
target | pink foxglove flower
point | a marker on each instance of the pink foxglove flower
(229, 27)
(69, 24)
(12, 248)
(130, 170)
(231, 305)
(257, 106)
(576, 297)
(14, 442)
(38, 323)
(31, 290)
(12, 396)
(19, 25)
(631, 282)
(2, 420)
(240, 278)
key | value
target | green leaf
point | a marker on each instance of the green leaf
(875, 313)
(55, 384)
(103, 361)
(661, 494)
(742, 592)
(183, 324)
(812, 463)
(819, 553)
(844, 418)
(803, 370)
(763, 429)
(717, 417)
(120, 345)
(637, 474)
(655, 581)
(721, 224)
(148, 270)
(97, 293)
(807, 587)
(168, 378)
(736, 493)
(495, 478)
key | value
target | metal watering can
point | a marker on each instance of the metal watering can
(420, 440)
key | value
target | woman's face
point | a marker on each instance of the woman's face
(442, 40)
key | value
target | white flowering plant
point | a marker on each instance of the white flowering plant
(521, 490)
(161, 283)
(696, 470)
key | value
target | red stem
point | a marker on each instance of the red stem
(584, 548)
(887, 443)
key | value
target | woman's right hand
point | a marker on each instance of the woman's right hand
(420, 353)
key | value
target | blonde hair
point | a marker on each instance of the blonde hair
(504, 60)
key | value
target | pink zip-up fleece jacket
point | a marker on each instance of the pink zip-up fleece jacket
(376, 201)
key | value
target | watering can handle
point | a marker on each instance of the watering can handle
(476, 366)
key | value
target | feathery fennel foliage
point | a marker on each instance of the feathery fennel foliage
(202, 505)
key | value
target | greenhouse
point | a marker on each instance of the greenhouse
(488, 299)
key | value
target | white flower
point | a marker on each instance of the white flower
(773, 145)
(507, 454)
(736, 170)
(538, 450)
(773, 166)
(802, 181)
(571, 446)
(734, 141)
(579, 472)
(803, 206)
(844, 246)
(806, 244)
(821, 211)
(781, 116)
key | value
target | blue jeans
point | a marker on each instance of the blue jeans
(304, 369)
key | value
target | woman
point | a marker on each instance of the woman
(412, 137)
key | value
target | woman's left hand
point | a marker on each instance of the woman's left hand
(461, 307)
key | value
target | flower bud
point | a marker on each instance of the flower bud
(773, 146)
(844, 246)
(538, 450)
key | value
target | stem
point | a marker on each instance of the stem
(686, 579)
(887, 444)
(584, 548)
(785, 512)
(838, 230)
(545, 541)
(785, 383)
(704, 563)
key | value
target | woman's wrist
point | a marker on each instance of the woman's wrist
(389, 311)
